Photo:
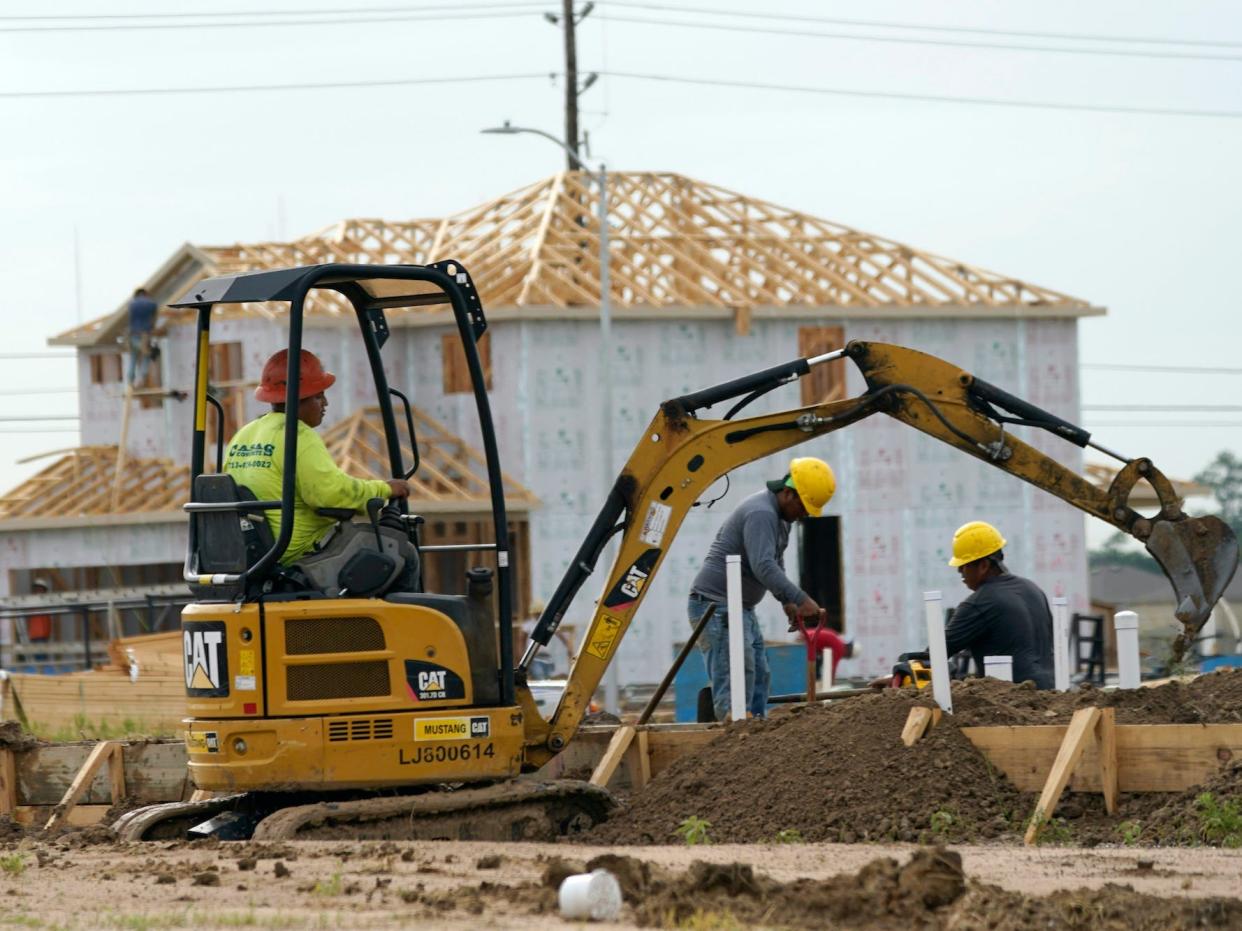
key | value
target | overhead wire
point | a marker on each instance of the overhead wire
(311, 11)
(335, 21)
(927, 98)
(911, 40)
(1177, 369)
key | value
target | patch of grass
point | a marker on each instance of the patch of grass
(789, 836)
(247, 919)
(148, 921)
(1130, 832)
(102, 729)
(21, 921)
(940, 822)
(333, 885)
(14, 864)
(1220, 822)
(694, 831)
(1056, 831)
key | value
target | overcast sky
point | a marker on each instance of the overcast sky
(1137, 212)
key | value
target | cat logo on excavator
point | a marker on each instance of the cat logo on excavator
(206, 659)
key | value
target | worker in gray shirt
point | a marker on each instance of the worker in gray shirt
(758, 531)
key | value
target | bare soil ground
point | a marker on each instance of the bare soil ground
(839, 772)
(73, 884)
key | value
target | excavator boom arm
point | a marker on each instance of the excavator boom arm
(680, 456)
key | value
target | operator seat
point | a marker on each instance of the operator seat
(227, 542)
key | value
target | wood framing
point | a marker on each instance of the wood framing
(106, 751)
(917, 723)
(674, 242)
(89, 481)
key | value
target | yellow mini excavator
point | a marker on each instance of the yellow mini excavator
(353, 711)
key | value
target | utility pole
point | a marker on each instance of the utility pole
(571, 84)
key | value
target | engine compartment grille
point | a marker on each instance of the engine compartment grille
(360, 729)
(320, 681)
(309, 635)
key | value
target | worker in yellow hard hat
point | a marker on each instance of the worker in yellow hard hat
(758, 531)
(1005, 615)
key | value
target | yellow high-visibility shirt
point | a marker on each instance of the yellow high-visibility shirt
(256, 458)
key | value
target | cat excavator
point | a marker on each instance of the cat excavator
(353, 711)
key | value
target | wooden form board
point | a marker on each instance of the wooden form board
(153, 772)
(1150, 757)
(653, 749)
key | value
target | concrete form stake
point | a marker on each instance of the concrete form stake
(1125, 623)
(939, 655)
(1060, 643)
(737, 659)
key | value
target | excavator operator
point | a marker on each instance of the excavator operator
(1005, 615)
(256, 457)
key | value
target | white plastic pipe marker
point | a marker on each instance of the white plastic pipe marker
(936, 648)
(998, 667)
(825, 674)
(1060, 644)
(1126, 625)
(737, 658)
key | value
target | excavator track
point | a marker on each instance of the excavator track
(517, 810)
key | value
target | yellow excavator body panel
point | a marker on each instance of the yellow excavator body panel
(329, 693)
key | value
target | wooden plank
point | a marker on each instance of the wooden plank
(116, 772)
(1106, 744)
(1080, 732)
(643, 747)
(100, 754)
(8, 782)
(919, 720)
(80, 816)
(154, 772)
(612, 757)
(1150, 757)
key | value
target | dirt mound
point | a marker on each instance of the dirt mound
(1215, 698)
(12, 737)
(929, 892)
(836, 772)
(1209, 814)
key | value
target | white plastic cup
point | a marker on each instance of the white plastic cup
(594, 896)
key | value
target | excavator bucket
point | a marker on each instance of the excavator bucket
(1199, 555)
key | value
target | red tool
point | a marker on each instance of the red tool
(819, 638)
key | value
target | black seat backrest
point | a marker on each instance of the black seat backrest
(227, 541)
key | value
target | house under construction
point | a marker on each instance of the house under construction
(706, 284)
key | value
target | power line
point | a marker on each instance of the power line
(130, 27)
(926, 98)
(1185, 408)
(34, 391)
(303, 12)
(37, 355)
(1164, 424)
(247, 88)
(37, 418)
(41, 430)
(910, 40)
(925, 27)
(1136, 367)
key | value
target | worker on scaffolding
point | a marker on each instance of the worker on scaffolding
(256, 456)
(758, 531)
(142, 313)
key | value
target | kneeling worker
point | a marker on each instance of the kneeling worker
(256, 457)
(1004, 615)
(758, 531)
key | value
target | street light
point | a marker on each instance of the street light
(611, 682)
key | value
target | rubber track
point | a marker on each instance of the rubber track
(134, 825)
(490, 801)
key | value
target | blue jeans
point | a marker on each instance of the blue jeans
(139, 358)
(714, 642)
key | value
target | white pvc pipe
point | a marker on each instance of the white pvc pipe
(737, 658)
(1060, 644)
(1125, 623)
(998, 667)
(825, 674)
(936, 648)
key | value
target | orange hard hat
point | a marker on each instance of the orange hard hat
(312, 378)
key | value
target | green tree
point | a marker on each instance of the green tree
(1121, 550)
(1224, 476)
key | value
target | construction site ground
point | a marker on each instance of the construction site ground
(819, 817)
